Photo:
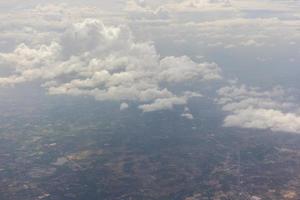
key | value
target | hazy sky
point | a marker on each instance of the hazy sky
(160, 54)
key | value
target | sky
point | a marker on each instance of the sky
(158, 55)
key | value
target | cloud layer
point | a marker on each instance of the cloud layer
(105, 62)
(154, 52)
(249, 107)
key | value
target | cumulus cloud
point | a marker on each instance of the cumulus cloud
(105, 62)
(187, 114)
(164, 104)
(56, 46)
(252, 43)
(188, 70)
(124, 106)
(249, 107)
(274, 120)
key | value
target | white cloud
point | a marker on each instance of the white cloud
(105, 62)
(274, 120)
(215, 5)
(252, 108)
(182, 6)
(264, 5)
(252, 43)
(124, 106)
(187, 69)
(232, 25)
(199, 6)
(187, 116)
(72, 56)
(164, 104)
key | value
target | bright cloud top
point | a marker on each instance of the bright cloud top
(106, 62)
(227, 25)
(252, 108)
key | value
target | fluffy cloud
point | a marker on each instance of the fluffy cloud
(164, 104)
(252, 108)
(188, 70)
(186, 114)
(46, 44)
(274, 120)
(105, 62)
(124, 106)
